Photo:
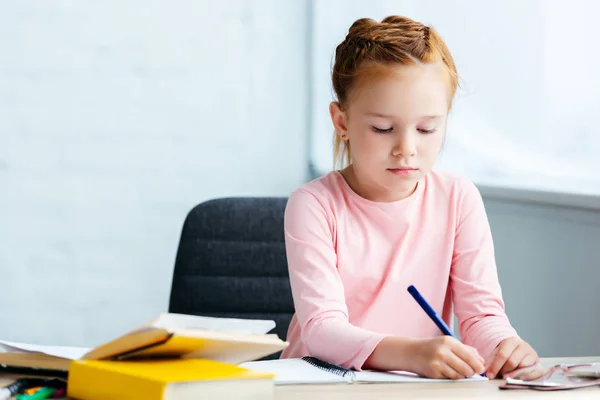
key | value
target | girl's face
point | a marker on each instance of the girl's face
(395, 125)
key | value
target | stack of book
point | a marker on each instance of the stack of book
(172, 357)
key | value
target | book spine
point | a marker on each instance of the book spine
(89, 383)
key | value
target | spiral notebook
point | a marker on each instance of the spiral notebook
(311, 370)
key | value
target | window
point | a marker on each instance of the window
(528, 112)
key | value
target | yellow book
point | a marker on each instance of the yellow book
(165, 379)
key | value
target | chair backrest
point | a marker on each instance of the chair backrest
(231, 262)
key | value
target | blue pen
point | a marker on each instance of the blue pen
(431, 312)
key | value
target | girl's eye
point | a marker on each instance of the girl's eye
(426, 131)
(379, 130)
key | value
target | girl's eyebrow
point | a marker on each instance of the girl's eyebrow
(374, 114)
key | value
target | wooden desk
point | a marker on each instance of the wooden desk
(450, 390)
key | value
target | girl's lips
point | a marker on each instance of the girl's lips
(405, 171)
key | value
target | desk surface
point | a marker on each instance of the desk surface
(451, 390)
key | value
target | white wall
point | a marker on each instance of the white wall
(116, 118)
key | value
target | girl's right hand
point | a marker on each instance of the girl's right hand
(445, 357)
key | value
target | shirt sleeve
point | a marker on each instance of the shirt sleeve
(476, 290)
(317, 288)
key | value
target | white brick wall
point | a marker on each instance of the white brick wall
(116, 118)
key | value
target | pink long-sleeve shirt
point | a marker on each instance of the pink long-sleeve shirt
(351, 260)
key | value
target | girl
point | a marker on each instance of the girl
(356, 238)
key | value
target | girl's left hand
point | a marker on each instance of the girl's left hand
(510, 354)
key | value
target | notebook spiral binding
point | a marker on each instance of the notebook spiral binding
(324, 365)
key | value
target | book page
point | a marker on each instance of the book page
(212, 346)
(233, 325)
(69, 352)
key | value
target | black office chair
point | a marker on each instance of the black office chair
(231, 262)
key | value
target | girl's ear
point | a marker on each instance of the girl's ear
(338, 117)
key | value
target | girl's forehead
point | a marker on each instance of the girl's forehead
(416, 89)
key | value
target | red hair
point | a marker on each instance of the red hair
(371, 45)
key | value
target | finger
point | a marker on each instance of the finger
(450, 373)
(514, 360)
(534, 372)
(529, 369)
(529, 360)
(529, 373)
(476, 353)
(460, 366)
(481, 360)
(504, 352)
(491, 358)
(469, 356)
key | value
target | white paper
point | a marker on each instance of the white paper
(69, 352)
(232, 325)
(295, 371)
(403, 376)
